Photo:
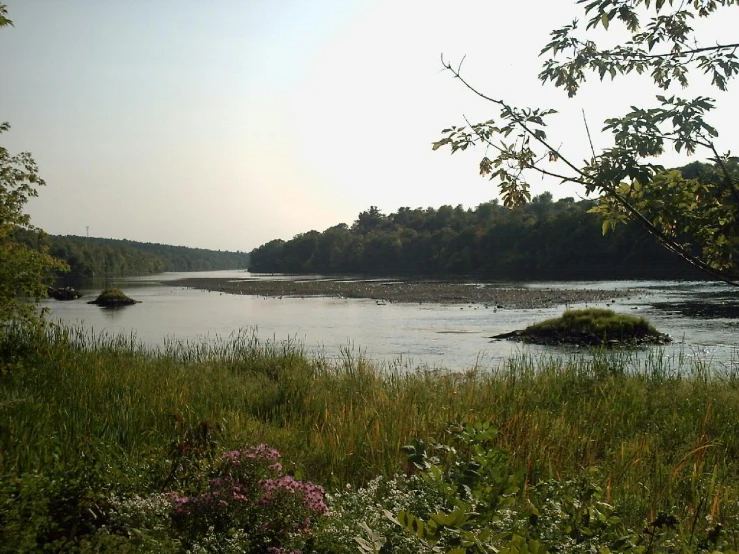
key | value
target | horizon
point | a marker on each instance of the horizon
(226, 126)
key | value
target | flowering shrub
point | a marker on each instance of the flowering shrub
(357, 519)
(250, 495)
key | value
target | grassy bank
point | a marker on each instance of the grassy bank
(664, 434)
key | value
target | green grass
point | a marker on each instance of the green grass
(601, 323)
(665, 433)
(112, 294)
(113, 297)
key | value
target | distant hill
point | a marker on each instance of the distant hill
(90, 256)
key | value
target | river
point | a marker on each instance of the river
(702, 318)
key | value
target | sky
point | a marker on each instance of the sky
(228, 123)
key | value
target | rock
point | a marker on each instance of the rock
(63, 293)
(511, 335)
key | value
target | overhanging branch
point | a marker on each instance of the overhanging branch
(585, 180)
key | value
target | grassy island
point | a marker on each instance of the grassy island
(591, 327)
(113, 298)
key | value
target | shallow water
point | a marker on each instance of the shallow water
(701, 317)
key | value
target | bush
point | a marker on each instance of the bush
(251, 501)
(490, 508)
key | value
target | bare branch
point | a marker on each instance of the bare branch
(587, 129)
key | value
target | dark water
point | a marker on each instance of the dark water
(702, 318)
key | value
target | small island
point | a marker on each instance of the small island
(113, 298)
(590, 327)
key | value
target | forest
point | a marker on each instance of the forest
(544, 239)
(91, 256)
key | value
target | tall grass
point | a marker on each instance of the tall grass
(663, 432)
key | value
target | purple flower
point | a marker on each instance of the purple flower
(313, 495)
(251, 487)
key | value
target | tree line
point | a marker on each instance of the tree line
(544, 239)
(91, 256)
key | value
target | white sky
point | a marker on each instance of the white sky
(227, 123)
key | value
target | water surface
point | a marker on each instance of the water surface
(701, 317)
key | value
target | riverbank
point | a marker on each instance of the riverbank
(490, 296)
(102, 440)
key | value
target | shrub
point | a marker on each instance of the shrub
(490, 508)
(357, 519)
(249, 496)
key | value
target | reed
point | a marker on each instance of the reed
(664, 432)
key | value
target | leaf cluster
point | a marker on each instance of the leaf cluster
(692, 206)
(663, 46)
(663, 43)
(490, 508)
(23, 270)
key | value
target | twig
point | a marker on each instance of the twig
(587, 129)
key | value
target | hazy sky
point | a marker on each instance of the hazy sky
(227, 123)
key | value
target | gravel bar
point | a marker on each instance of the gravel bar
(408, 291)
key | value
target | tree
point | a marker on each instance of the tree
(23, 270)
(369, 220)
(696, 217)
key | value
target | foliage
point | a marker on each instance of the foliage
(24, 271)
(489, 508)
(92, 256)
(697, 211)
(60, 508)
(541, 240)
(97, 431)
(250, 494)
(664, 423)
(696, 218)
(358, 516)
(248, 506)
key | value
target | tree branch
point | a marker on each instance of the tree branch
(667, 241)
(515, 117)
(641, 55)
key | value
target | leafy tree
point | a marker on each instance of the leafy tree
(23, 269)
(697, 217)
(369, 220)
(543, 239)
